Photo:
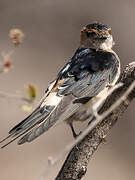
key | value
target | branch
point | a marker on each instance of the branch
(75, 165)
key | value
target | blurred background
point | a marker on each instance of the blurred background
(52, 29)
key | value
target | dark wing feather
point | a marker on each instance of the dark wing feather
(68, 106)
(86, 74)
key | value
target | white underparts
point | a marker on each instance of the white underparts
(107, 44)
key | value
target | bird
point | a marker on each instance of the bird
(87, 76)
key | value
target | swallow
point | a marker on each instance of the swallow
(82, 81)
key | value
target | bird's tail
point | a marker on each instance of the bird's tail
(59, 112)
(42, 119)
(33, 120)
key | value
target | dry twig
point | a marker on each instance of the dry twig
(75, 166)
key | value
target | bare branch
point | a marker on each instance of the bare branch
(98, 118)
(14, 96)
(75, 166)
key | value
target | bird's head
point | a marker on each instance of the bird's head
(97, 36)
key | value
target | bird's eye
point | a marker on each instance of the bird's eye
(89, 33)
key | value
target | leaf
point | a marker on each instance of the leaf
(32, 92)
(27, 108)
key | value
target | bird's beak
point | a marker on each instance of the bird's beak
(103, 36)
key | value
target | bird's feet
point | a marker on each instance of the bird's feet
(109, 86)
(75, 135)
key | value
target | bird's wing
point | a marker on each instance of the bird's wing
(76, 84)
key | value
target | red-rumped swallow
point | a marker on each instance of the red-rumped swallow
(83, 80)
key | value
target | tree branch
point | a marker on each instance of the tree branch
(75, 165)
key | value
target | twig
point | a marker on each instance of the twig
(53, 161)
(7, 55)
(76, 163)
(14, 96)
(92, 125)
(98, 119)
